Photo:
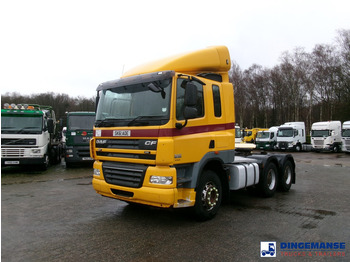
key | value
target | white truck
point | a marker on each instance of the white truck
(238, 135)
(346, 137)
(326, 136)
(267, 140)
(291, 136)
(29, 136)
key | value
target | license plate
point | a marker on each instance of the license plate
(87, 158)
(11, 162)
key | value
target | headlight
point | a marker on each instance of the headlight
(162, 180)
(36, 151)
(97, 172)
(69, 151)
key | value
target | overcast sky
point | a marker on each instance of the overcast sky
(72, 46)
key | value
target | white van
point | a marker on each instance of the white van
(326, 136)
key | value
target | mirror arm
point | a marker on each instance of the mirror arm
(179, 125)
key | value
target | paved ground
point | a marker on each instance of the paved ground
(56, 216)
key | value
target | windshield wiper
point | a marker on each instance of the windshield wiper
(24, 128)
(107, 120)
(143, 119)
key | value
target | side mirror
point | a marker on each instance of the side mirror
(190, 94)
(50, 125)
(190, 102)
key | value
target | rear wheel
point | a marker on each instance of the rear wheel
(268, 182)
(285, 180)
(208, 196)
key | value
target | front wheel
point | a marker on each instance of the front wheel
(268, 182)
(208, 196)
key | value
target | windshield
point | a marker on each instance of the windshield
(238, 132)
(140, 104)
(285, 132)
(21, 124)
(81, 122)
(263, 134)
(346, 133)
(320, 133)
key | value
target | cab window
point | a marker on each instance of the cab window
(180, 98)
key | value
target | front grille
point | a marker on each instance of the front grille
(283, 145)
(147, 144)
(18, 141)
(83, 152)
(126, 148)
(318, 143)
(127, 155)
(12, 152)
(120, 174)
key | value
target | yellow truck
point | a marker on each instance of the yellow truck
(250, 134)
(164, 136)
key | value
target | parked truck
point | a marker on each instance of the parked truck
(250, 134)
(164, 136)
(29, 136)
(346, 137)
(291, 136)
(78, 134)
(267, 140)
(238, 135)
(326, 136)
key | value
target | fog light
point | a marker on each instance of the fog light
(97, 172)
(36, 151)
(162, 180)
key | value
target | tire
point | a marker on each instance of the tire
(208, 196)
(298, 148)
(336, 149)
(46, 163)
(285, 179)
(268, 182)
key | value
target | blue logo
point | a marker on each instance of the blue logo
(267, 249)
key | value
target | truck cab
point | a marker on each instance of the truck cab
(250, 134)
(326, 136)
(164, 136)
(29, 136)
(346, 137)
(238, 135)
(267, 140)
(78, 133)
(291, 136)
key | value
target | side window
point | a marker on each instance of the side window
(180, 99)
(217, 101)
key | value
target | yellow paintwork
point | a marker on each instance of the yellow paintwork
(254, 131)
(177, 147)
(211, 59)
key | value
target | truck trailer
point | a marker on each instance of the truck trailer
(164, 136)
(326, 136)
(29, 136)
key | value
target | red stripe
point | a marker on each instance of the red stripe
(170, 132)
